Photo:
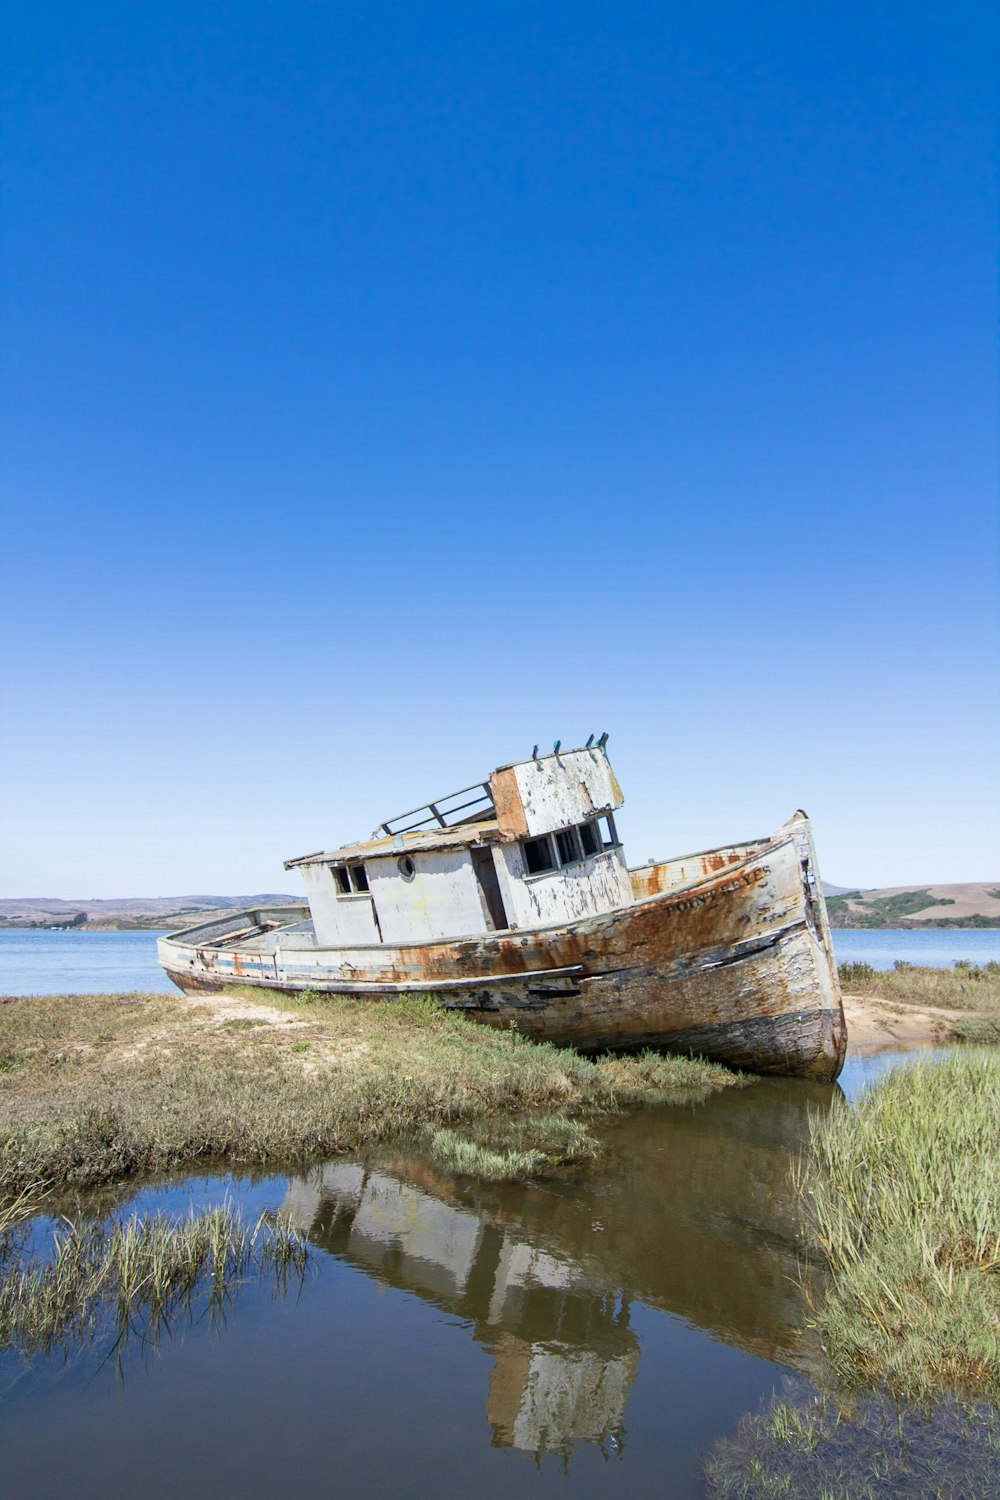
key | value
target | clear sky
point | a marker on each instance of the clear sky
(390, 387)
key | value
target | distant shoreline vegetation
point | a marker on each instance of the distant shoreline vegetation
(854, 910)
(151, 924)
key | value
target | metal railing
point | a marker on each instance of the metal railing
(441, 813)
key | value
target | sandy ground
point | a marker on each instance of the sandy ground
(874, 1024)
(238, 1008)
(222, 1008)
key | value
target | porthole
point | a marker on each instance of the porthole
(406, 867)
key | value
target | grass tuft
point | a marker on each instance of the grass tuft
(130, 1279)
(511, 1149)
(463, 1157)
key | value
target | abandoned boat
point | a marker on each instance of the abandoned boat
(512, 902)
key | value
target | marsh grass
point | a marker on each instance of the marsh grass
(802, 1446)
(133, 1278)
(965, 986)
(453, 1153)
(903, 1193)
(147, 1083)
(17, 1210)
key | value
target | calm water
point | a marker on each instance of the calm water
(89, 963)
(79, 963)
(938, 948)
(589, 1336)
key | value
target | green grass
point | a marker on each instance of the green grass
(14, 1211)
(964, 986)
(504, 1149)
(465, 1158)
(132, 1278)
(903, 1194)
(98, 1088)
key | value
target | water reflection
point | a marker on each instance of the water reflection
(690, 1212)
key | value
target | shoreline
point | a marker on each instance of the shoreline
(100, 1088)
(875, 1024)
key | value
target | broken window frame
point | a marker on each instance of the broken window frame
(569, 839)
(603, 830)
(350, 881)
(585, 829)
(549, 869)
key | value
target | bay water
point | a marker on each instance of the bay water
(38, 962)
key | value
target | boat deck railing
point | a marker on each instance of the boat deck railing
(444, 812)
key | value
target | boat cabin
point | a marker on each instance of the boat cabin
(534, 846)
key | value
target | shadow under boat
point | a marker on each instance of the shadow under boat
(689, 1211)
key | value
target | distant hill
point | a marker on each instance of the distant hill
(972, 904)
(127, 911)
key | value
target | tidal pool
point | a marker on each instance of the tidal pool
(447, 1337)
(594, 1333)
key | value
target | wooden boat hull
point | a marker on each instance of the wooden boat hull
(726, 955)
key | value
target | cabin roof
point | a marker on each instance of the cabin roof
(466, 835)
(463, 819)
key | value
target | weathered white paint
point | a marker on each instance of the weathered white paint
(442, 900)
(301, 935)
(655, 877)
(338, 920)
(598, 884)
(557, 790)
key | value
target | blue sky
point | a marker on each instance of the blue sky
(387, 388)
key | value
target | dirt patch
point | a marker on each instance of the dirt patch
(223, 1008)
(874, 1023)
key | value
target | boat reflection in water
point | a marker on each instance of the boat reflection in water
(689, 1212)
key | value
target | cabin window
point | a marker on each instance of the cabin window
(569, 849)
(351, 880)
(569, 846)
(589, 839)
(538, 855)
(406, 867)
